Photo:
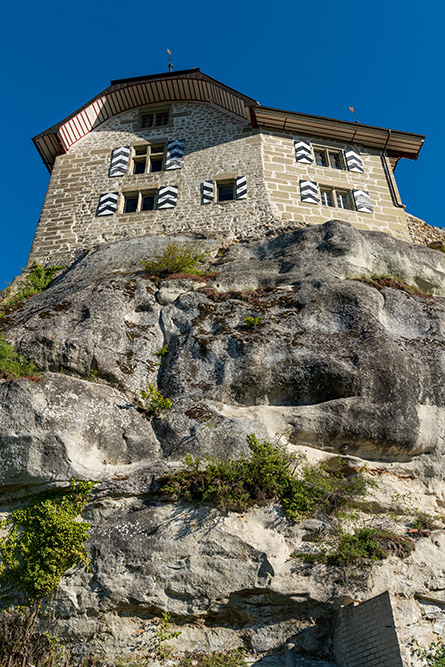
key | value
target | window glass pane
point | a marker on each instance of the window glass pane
(320, 159)
(156, 164)
(131, 204)
(161, 118)
(225, 191)
(139, 167)
(148, 202)
(343, 200)
(147, 120)
(326, 198)
(334, 160)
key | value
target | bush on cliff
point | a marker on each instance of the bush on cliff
(270, 473)
(176, 258)
(12, 364)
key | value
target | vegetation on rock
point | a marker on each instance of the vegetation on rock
(12, 364)
(38, 279)
(156, 401)
(270, 473)
(381, 282)
(177, 258)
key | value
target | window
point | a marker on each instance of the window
(336, 198)
(154, 119)
(148, 158)
(226, 190)
(139, 201)
(329, 157)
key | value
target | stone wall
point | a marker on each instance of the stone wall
(218, 145)
(365, 635)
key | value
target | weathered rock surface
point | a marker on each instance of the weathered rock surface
(332, 366)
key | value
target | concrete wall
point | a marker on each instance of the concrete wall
(365, 635)
(218, 145)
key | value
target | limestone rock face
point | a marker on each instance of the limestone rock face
(329, 365)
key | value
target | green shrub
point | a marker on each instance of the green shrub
(12, 364)
(156, 401)
(45, 539)
(366, 545)
(434, 655)
(35, 282)
(268, 474)
(163, 351)
(176, 258)
(251, 322)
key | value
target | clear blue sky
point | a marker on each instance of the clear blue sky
(384, 58)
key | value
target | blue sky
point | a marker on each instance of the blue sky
(383, 58)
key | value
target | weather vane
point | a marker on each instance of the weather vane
(170, 66)
(350, 109)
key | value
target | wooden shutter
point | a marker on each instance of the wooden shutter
(362, 201)
(240, 187)
(303, 151)
(207, 192)
(119, 161)
(354, 161)
(175, 154)
(309, 192)
(107, 203)
(167, 196)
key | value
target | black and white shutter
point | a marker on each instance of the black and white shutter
(240, 187)
(303, 151)
(353, 160)
(309, 192)
(174, 158)
(107, 204)
(207, 192)
(362, 201)
(167, 196)
(119, 161)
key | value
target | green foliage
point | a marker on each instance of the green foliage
(35, 282)
(92, 374)
(13, 365)
(226, 659)
(163, 351)
(424, 521)
(434, 655)
(45, 539)
(268, 474)
(176, 258)
(251, 322)
(156, 401)
(25, 638)
(366, 545)
(163, 635)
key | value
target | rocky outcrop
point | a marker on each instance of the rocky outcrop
(331, 366)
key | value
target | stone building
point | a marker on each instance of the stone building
(181, 152)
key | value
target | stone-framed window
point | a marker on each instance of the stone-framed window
(225, 190)
(134, 202)
(336, 198)
(147, 158)
(329, 157)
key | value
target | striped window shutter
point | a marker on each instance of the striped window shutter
(354, 161)
(362, 201)
(167, 196)
(240, 187)
(303, 151)
(119, 161)
(107, 204)
(309, 192)
(175, 154)
(207, 192)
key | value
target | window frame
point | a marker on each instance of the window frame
(140, 194)
(147, 157)
(334, 192)
(223, 182)
(327, 151)
(157, 114)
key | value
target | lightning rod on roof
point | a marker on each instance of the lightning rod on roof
(170, 66)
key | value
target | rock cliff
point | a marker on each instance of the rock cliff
(334, 365)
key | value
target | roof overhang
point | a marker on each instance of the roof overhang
(125, 94)
(193, 85)
(396, 142)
